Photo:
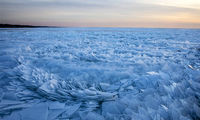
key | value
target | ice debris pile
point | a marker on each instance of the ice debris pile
(99, 74)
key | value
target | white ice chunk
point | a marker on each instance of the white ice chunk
(153, 73)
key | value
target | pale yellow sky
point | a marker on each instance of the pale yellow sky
(102, 13)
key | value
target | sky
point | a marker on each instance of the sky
(102, 13)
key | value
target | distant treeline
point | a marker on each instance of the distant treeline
(18, 26)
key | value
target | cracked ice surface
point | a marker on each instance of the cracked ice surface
(99, 73)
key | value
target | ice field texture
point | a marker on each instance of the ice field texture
(99, 74)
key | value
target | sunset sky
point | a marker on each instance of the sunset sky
(102, 13)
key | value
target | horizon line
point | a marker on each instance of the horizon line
(37, 26)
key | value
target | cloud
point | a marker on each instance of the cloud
(54, 3)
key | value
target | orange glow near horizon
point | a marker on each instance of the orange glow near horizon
(104, 13)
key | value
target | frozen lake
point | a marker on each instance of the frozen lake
(99, 73)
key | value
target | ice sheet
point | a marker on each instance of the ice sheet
(99, 73)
